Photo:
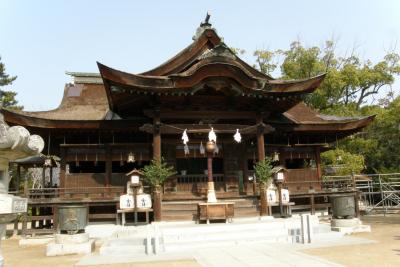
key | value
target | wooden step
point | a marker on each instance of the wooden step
(178, 207)
(178, 217)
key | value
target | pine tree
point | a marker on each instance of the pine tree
(7, 98)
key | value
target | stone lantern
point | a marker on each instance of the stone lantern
(15, 143)
(280, 174)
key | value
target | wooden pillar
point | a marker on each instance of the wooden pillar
(26, 190)
(260, 141)
(312, 204)
(157, 206)
(156, 139)
(63, 154)
(51, 176)
(245, 168)
(318, 162)
(261, 156)
(107, 180)
(356, 203)
(55, 218)
(209, 167)
(43, 177)
(18, 178)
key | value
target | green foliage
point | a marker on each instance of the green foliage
(344, 163)
(7, 98)
(157, 172)
(349, 80)
(385, 132)
(263, 170)
(265, 61)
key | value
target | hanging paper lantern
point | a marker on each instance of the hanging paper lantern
(202, 149)
(76, 160)
(47, 161)
(185, 137)
(237, 136)
(131, 157)
(276, 156)
(186, 149)
(121, 161)
(216, 150)
(212, 136)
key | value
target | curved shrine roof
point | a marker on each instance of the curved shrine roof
(207, 61)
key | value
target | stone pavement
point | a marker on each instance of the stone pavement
(257, 255)
(251, 254)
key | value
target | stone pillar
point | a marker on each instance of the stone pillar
(2, 233)
(15, 143)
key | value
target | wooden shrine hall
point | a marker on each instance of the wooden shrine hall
(110, 123)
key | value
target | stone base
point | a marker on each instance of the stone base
(266, 218)
(35, 241)
(211, 197)
(345, 222)
(54, 249)
(349, 226)
(71, 239)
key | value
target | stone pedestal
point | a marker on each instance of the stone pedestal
(349, 226)
(211, 197)
(2, 232)
(15, 143)
(70, 244)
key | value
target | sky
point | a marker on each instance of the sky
(41, 40)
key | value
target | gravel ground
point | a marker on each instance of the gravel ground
(32, 256)
(386, 252)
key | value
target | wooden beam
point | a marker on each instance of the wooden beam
(202, 114)
(199, 128)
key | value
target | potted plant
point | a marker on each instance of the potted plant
(155, 174)
(264, 173)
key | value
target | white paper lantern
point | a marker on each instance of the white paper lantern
(185, 137)
(237, 136)
(126, 202)
(143, 201)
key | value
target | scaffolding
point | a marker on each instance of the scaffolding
(378, 193)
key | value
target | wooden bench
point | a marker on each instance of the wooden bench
(215, 211)
(124, 211)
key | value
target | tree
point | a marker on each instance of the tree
(157, 172)
(263, 170)
(342, 162)
(349, 80)
(7, 98)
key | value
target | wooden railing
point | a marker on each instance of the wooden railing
(303, 180)
(196, 183)
(74, 193)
